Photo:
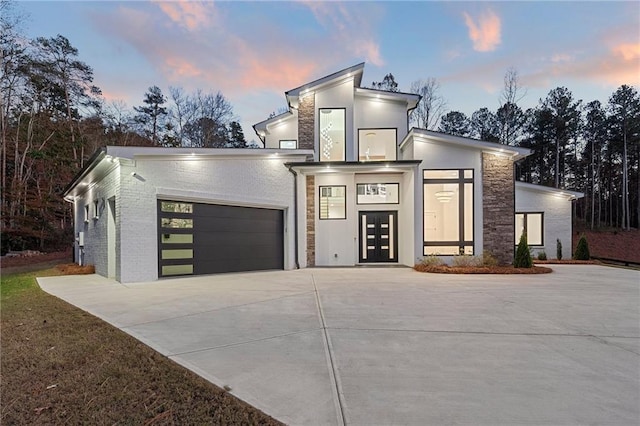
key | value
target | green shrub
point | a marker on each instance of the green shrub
(558, 249)
(432, 260)
(582, 251)
(488, 259)
(523, 255)
(542, 256)
(465, 261)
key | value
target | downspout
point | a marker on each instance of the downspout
(295, 214)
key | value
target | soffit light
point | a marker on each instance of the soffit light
(444, 196)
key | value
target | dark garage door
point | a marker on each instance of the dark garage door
(209, 238)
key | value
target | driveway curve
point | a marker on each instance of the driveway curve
(381, 346)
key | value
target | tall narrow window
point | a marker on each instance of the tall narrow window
(376, 144)
(448, 212)
(332, 134)
(532, 224)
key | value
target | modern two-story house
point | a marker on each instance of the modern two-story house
(341, 181)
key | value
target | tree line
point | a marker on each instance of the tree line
(590, 147)
(53, 117)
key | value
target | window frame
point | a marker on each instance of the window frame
(320, 202)
(287, 140)
(344, 147)
(525, 221)
(397, 184)
(461, 180)
(395, 142)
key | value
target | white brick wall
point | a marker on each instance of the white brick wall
(255, 182)
(557, 218)
(95, 230)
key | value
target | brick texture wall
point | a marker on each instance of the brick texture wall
(498, 196)
(311, 221)
(306, 122)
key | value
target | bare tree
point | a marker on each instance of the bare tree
(510, 117)
(432, 105)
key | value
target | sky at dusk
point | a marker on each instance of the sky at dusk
(254, 51)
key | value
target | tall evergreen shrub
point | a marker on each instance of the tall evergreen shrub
(523, 255)
(582, 251)
(558, 249)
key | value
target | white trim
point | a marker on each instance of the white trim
(569, 195)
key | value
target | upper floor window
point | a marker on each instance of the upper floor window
(332, 134)
(288, 144)
(377, 144)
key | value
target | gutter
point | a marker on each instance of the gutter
(295, 214)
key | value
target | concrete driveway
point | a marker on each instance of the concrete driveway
(382, 346)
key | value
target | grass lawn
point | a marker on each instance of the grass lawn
(60, 364)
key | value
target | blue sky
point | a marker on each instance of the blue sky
(254, 51)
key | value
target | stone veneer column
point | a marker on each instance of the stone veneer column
(311, 221)
(306, 121)
(498, 204)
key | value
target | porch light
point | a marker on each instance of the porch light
(444, 196)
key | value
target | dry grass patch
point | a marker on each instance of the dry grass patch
(445, 269)
(61, 365)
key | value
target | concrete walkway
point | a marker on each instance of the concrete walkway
(381, 346)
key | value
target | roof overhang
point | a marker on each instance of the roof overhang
(314, 167)
(423, 135)
(564, 193)
(262, 128)
(103, 161)
(411, 99)
(354, 72)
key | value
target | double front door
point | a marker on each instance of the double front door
(378, 236)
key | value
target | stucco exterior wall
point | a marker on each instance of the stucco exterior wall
(252, 182)
(557, 219)
(287, 129)
(379, 114)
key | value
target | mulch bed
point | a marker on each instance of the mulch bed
(75, 269)
(503, 270)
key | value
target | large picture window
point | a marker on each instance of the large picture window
(332, 131)
(333, 202)
(448, 212)
(532, 224)
(377, 145)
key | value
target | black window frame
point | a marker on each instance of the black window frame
(377, 183)
(344, 148)
(541, 213)
(287, 140)
(461, 181)
(320, 199)
(395, 142)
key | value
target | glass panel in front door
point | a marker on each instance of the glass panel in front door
(378, 238)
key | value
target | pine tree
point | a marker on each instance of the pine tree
(523, 255)
(582, 251)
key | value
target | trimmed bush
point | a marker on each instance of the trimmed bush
(523, 255)
(488, 259)
(465, 261)
(582, 251)
(542, 256)
(432, 260)
(558, 249)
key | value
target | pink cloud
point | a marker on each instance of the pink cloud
(190, 14)
(350, 29)
(485, 33)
